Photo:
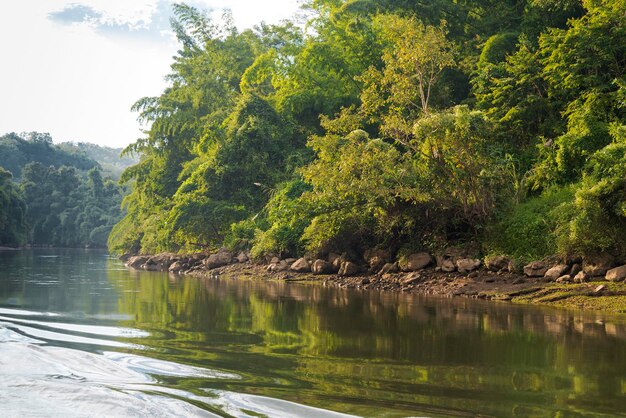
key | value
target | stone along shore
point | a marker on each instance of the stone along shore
(589, 283)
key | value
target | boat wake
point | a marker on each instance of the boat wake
(54, 368)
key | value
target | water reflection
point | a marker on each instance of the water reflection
(231, 346)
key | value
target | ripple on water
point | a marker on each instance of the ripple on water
(67, 338)
(164, 368)
(42, 380)
(99, 330)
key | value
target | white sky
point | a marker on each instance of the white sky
(77, 81)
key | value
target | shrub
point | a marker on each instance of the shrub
(596, 220)
(527, 230)
(287, 217)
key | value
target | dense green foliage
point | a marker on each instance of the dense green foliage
(18, 150)
(61, 198)
(12, 211)
(65, 208)
(388, 123)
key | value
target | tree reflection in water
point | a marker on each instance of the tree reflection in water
(358, 352)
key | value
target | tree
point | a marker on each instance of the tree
(12, 212)
(414, 57)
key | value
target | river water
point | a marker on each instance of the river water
(80, 335)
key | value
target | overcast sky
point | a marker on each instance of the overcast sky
(73, 68)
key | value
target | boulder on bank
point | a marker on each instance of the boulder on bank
(466, 265)
(219, 259)
(242, 257)
(348, 268)
(416, 261)
(281, 265)
(535, 269)
(581, 277)
(497, 263)
(597, 265)
(137, 261)
(555, 272)
(616, 274)
(322, 267)
(564, 279)
(447, 265)
(177, 267)
(377, 258)
(301, 265)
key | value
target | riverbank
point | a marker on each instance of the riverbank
(594, 286)
(594, 295)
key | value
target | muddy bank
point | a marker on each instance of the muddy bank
(589, 292)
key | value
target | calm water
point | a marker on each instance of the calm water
(81, 336)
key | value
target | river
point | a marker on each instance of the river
(80, 335)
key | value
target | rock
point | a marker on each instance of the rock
(513, 267)
(365, 281)
(599, 289)
(321, 267)
(412, 278)
(137, 261)
(176, 267)
(447, 265)
(275, 260)
(150, 266)
(348, 268)
(377, 258)
(242, 257)
(496, 263)
(280, 266)
(301, 265)
(389, 268)
(164, 261)
(598, 265)
(219, 259)
(535, 269)
(564, 279)
(290, 261)
(581, 277)
(415, 262)
(338, 261)
(576, 268)
(617, 274)
(465, 265)
(555, 272)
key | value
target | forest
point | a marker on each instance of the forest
(56, 195)
(362, 124)
(394, 124)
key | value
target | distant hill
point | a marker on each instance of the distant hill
(109, 158)
(17, 150)
(64, 195)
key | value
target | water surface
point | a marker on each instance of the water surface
(80, 335)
